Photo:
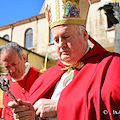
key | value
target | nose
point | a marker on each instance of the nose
(62, 43)
(12, 69)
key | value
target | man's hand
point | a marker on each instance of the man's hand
(46, 108)
(22, 110)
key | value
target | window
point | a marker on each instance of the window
(29, 38)
(50, 37)
(6, 37)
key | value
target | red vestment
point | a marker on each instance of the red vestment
(20, 90)
(94, 92)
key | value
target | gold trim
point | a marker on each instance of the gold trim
(1, 98)
(67, 21)
(57, 9)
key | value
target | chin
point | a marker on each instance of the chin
(15, 77)
(69, 61)
(66, 61)
(65, 57)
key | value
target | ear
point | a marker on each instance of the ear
(85, 35)
(24, 58)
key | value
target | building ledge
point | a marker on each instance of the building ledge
(24, 21)
(110, 29)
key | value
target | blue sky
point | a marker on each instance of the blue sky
(15, 10)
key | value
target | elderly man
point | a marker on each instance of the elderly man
(85, 83)
(21, 75)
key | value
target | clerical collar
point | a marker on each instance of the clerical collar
(27, 68)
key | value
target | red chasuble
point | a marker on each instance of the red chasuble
(94, 92)
(20, 89)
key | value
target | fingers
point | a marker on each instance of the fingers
(26, 115)
(22, 110)
(46, 108)
(13, 104)
(19, 102)
(37, 104)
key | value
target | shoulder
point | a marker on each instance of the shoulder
(114, 57)
(110, 57)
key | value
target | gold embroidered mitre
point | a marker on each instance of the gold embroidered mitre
(66, 12)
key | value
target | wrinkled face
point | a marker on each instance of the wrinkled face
(13, 64)
(70, 45)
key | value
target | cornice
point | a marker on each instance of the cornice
(24, 21)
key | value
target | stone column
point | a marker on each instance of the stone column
(117, 38)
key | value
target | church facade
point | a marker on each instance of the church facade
(34, 34)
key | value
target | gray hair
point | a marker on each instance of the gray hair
(13, 45)
(80, 29)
